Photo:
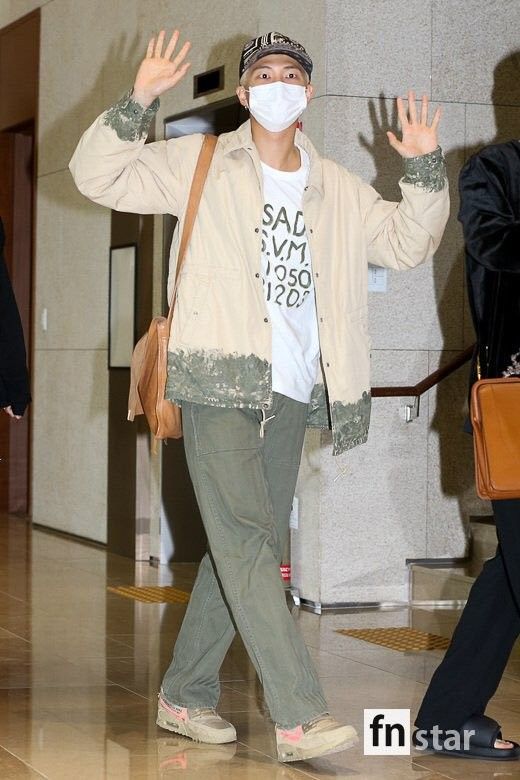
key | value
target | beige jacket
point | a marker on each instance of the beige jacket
(220, 345)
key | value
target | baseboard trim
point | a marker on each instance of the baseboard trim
(437, 563)
(439, 603)
(351, 606)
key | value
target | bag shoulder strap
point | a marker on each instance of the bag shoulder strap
(197, 185)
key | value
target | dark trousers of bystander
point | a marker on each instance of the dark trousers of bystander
(471, 670)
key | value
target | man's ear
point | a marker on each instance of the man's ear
(242, 95)
(309, 91)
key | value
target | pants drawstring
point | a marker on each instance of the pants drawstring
(263, 422)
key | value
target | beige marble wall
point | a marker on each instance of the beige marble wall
(370, 494)
(70, 380)
(86, 51)
(409, 491)
(11, 10)
(69, 441)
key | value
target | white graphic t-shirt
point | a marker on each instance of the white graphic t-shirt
(288, 283)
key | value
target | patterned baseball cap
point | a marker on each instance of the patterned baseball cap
(273, 43)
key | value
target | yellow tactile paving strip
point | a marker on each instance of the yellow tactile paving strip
(403, 639)
(152, 594)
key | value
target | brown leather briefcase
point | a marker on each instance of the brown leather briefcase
(495, 416)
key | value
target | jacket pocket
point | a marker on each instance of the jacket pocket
(191, 300)
(357, 326)
(204, 298)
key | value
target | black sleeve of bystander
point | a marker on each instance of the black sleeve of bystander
(490, 207)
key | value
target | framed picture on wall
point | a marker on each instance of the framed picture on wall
(122, 305)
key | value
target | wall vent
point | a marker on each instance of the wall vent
(208, 82)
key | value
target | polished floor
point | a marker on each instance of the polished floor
(80, 669)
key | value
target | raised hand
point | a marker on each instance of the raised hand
(158, 72)
(418, 136)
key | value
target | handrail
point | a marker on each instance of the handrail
(428, 382)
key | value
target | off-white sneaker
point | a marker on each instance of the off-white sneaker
(317, 737)
(201, 724)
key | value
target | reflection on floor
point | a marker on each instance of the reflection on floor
(80, 668)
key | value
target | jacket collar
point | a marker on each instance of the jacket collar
(243, 139)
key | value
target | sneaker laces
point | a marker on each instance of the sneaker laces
(320, 721)
(201, 712)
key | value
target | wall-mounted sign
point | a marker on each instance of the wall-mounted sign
(377, 278)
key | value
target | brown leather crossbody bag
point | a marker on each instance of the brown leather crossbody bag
(149, 365)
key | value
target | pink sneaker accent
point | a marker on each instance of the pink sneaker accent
(291, 735)
(181, 713)
(317, 737)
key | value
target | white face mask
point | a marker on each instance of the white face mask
(276, 106)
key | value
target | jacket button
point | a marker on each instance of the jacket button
(317, 275)
(266, 319)
(328, 365)
(257, 276)
(311, 230)
(257, 230)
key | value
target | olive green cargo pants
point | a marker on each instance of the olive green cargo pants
(244, 465)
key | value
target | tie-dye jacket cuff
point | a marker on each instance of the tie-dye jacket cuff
(428, 171)
(129, 119)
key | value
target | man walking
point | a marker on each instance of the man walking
(270, 335)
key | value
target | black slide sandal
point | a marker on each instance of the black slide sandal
(481, 743)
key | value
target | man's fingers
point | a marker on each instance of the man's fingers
(392, 139)
(155, 47)
(424, 110)
(182, 54)
(401, 113)
(159, 44)
(179, 74)
(436, 118)
(412, 111)
(172, 44)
